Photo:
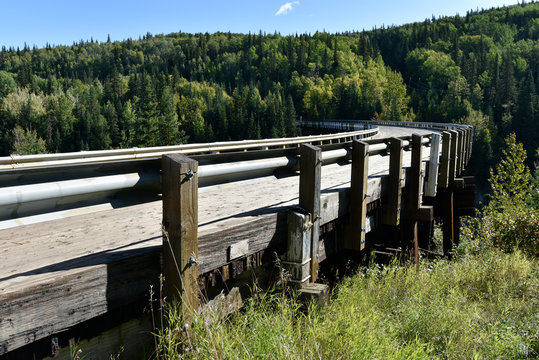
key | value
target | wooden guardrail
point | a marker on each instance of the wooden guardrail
(303, 224)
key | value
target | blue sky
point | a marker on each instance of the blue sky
(62, 22)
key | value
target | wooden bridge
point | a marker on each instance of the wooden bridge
(86, 235)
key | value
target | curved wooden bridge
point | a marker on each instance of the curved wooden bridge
(84, 234)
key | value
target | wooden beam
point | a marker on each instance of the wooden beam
(309, 196)
(465, 148)
(460, 152)
(355, 237)
(392, 200)
(180, 230)
(298, 252)
(432, 176)
(413, 197)
(453, 156)
(443, 180)
(448, 227)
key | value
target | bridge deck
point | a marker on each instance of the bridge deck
(61, 269)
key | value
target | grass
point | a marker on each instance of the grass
(480, 306)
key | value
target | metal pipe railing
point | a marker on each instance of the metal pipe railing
(86, 157)
(15, 195)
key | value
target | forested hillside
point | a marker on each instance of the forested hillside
(482, 68)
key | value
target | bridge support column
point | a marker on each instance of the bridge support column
(309, 196)
(180, 231)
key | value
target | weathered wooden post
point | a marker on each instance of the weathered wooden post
(309, 196)
(460, 152)
(453, 156)
(414, 210)
(180, 226)
(443, 180)
(433, 166)
(392, 201)
(355, 238)
(298, 253)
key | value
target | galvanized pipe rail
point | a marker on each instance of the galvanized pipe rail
(39, 197)
(86, 157)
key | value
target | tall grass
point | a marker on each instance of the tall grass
(481, 306)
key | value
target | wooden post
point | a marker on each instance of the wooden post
(309, 196)
(460, 153)
(443, 181)
(448, 227)
(355, 239)
(432, 177)
(470, 143)
(392, 200)
(414, 196)
(298, 254)
(465, 149)
(453, 156)
(180, 226)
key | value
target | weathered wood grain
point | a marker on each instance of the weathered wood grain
(310, 181)
(392, 200)
(180, 230)
(355, 237)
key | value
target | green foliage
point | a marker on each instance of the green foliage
(27, 142)
(510, 179)
(478, 307)
(508, 222)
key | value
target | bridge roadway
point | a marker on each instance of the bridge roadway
(37, 258)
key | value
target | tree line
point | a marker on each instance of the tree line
(481, 69)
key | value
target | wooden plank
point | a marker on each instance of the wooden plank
(298, 254)
(262, 232)
(355, 237)
(434, 164)
(443, 180)
(238, 250)
(70, 298)
(309, 196)
(391, 206)
(180, 233)
(453, 156)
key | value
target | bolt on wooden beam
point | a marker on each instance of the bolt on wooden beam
(355, 237)
(309, 196)
(180, 231)
(392, 200)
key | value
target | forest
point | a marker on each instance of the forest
(481, 69)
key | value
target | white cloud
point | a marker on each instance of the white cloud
(286, 8)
